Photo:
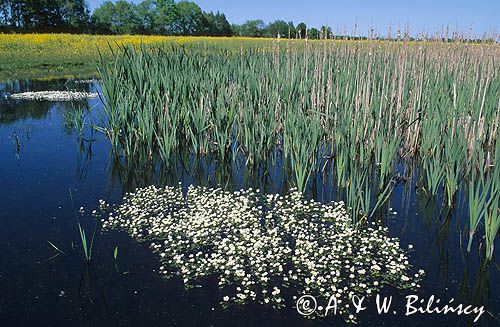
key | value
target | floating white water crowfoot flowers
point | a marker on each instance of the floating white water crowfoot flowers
(263, 248)
(84, 81)
(53, 95)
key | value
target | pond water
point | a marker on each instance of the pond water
(43, 160)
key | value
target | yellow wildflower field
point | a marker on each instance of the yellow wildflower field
(42, 55)
(69, 55)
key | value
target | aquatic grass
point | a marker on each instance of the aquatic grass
(484, 201)
(301, 138)
(385, 152)
(59, 251)
(434, 174)
(382, 197)
(453, 155)
(478, 191)
(86, 245)
(492, 224)
(492, 212)
(363, 107)
(358, 193)
(78, 118)
(166, 133)
(340, 165)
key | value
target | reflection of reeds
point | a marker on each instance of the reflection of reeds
(364, 106)
(491, 224)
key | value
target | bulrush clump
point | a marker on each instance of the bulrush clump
(265, 248)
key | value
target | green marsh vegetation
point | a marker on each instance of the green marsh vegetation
(365, 107)
(87, 244)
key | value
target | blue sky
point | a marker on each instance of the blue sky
(421, 15)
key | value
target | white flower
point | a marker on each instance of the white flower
(210, 231)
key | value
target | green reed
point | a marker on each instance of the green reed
(492, 224)
(87, 245)
(492, 212)
(478, 203)
(364, 106)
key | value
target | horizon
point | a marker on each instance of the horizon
(345, 17)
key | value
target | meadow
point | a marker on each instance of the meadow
(49, 56)
(69, 55)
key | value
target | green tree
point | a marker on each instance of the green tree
(301, 30)
(102, 18)
(12, 14)
(314, 33)
(117, 18)
(191, 19)
(252, 28)
(278, 27)
(158, 17)
(291, 30)
(41, 15)
(168, 19)
(147, 12)
(217, 24)
(281, 28)
(4, 13)
(325, 32)
(236, 29)
(76, 15)
(223, 25)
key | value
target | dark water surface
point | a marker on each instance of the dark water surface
(42, 159)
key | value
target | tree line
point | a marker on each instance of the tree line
(158, 17)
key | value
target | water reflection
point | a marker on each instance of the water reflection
(15, 110)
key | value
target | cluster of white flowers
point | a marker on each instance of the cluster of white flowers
(84, 81)
(263, 248)
(53, 95)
